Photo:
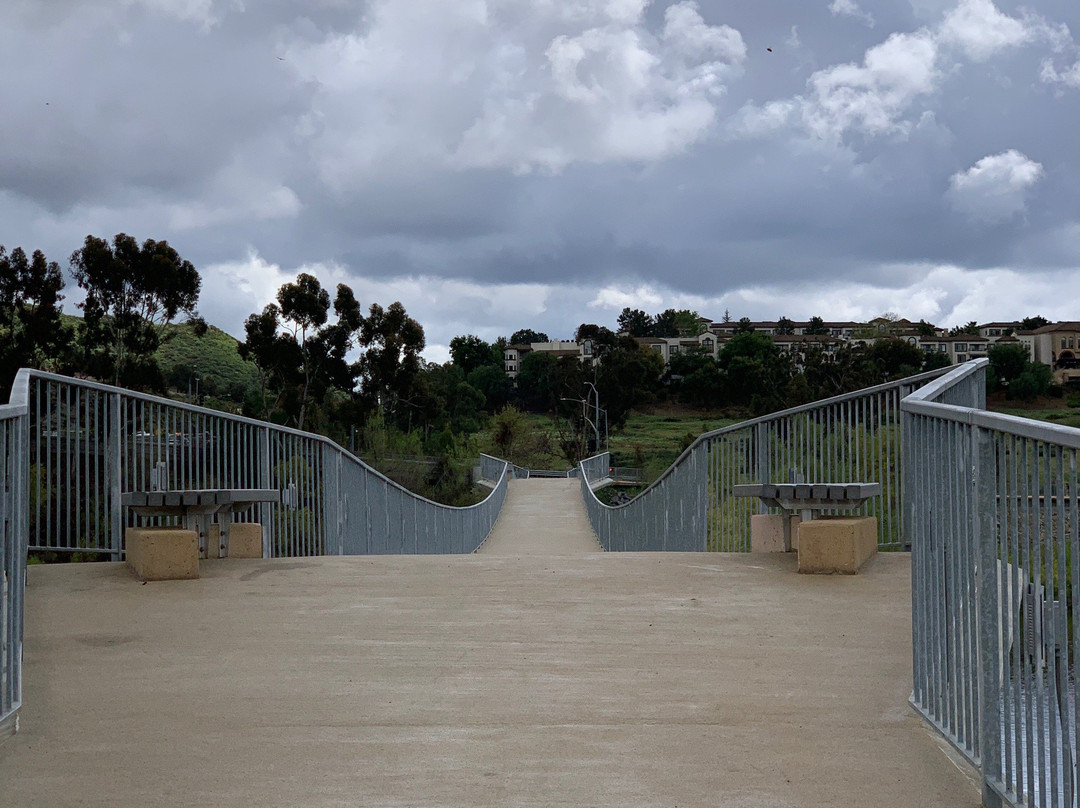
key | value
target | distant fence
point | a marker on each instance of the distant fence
(849, 438)
(13, 425)
(991, 508)
(90, 442)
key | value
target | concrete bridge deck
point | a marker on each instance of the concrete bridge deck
(595, 679)
(543, 516)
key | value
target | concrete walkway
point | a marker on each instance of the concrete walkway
(542, 517)
(597, 679)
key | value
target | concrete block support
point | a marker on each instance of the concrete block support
(245, 540)
(767, 532)
(837, 544)
(162, 554)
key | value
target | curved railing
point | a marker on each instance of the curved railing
(992, 508)
(849, 438)
(89, 442)
(70, 448)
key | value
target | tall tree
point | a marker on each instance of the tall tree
(526, 336)
(817, 326)
(970, 328)
(628, 376)
(31, 331)
(896, 358)
(635, 322)
(132, 292)
(785, 326)
(678, 323)
(1031, 323)
(469, 352)
(299, 352)
(392, 342)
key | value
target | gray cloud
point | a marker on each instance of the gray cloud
(533, 162)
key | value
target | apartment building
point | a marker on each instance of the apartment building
(1056, 345)
(513, 354)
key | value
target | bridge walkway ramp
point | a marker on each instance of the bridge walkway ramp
(544, 517)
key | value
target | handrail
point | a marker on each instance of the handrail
(93, 440)
(753, 450)
(802, 408)
(991, 508)
(26, 374)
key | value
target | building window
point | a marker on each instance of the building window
(961, 346)
(658, 347)
(1071, 342)
(942, 346)
(961, 357)
(1063, 345)
(674, 350)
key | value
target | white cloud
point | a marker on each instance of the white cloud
(616, 299)
(996, 187)
(873, 97)
(451, 84)
(445, 307)
(849, 8)
(1070, 77)
(981, 30)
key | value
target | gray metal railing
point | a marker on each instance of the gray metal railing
(13, 425)
(849, 438)
(595, 468)
(69, 448)
(991, 507)
(89, 442)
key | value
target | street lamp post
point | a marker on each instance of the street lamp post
(596, 423)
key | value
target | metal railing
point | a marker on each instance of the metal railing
(595, 468)
(991, 506)
(88, 442)
(849, 438)
(13, 524)
(69, 448)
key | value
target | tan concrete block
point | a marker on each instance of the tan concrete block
(842, 544)
(162, 554)
(245, 540)
(767, 532)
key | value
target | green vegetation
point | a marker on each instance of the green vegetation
(211, 357)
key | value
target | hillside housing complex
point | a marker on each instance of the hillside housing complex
(1056, 344)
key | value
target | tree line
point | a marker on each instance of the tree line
(326, 363)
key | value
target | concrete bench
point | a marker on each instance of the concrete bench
(831, 544)
(156, 553)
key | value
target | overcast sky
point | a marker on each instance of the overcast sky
(541, 163)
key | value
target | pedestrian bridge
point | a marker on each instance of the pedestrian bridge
(537, 671)
(541, 647)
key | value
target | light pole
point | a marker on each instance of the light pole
(596, 424)
(584, 414)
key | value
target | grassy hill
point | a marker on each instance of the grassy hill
(212, 357)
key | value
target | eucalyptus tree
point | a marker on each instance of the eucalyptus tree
(300, 353)
(32, 333)
(132, 292)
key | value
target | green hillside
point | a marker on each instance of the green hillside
(213, 358)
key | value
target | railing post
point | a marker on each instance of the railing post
(985, 533)
(265, 481)
(115, 475)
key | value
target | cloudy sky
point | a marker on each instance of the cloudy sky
(499, 164)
